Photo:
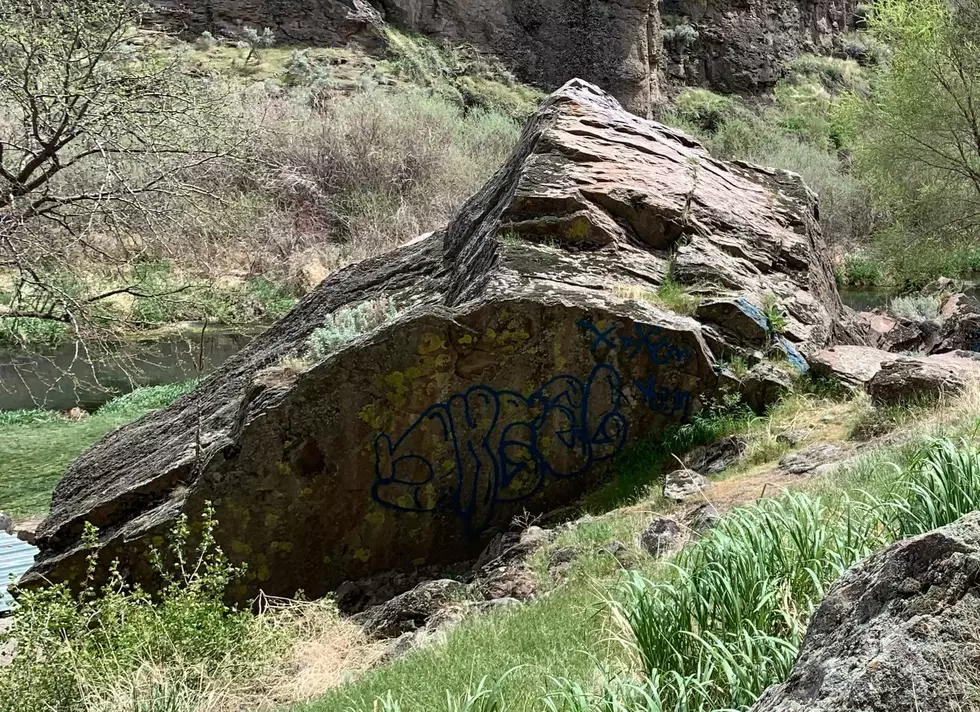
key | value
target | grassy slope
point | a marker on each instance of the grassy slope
(567, 634)
(37, 446)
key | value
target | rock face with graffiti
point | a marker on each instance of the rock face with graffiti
(534, 345)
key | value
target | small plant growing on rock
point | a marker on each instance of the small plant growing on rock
(918, 307)
(775, 314)
(682, 34)
(347, 323)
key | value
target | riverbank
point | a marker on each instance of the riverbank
(37, 445)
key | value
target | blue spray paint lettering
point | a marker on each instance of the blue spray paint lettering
(500, 446)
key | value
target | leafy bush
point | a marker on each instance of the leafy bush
(919, 307)
(378, 168)
(72, 650)
(916, 137)
(860, 270)
(683, 34)
(705, 109)
(347, 323)
(116, 648)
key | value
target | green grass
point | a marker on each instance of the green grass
(519, 650)
(36, 446)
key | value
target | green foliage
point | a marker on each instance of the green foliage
(705, 109)
(860, 270)
(917, 136)
(36, 446)
(73, 649)
(675, 297)
(775, 314)
(461, 76)
(347, 323)
(682, 34)
(920, 307)
(941, 485)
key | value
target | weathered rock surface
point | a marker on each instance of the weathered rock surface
(517, 369)
(684, 484)
(744, 46)
(411, 610)
(893, 378)
(853, 366)
(614, 44)
(908, 379)
(663, 537)
(961, 325)
(332, 22)
(896, 633)
(810, 459)
(716, 457)
(619, 44)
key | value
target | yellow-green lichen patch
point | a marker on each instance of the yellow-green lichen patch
(377, 517)
(579, 228)
(271, 519)
(281, 546)
(284, 469)
(465, 339)
(362, 554)
(430, 343)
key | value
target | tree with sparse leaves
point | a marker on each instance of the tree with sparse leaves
(104, 143)
(917, 133)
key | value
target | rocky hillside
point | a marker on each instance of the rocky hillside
(636, 49)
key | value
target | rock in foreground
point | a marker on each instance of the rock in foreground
(897, 632)
(529, 351)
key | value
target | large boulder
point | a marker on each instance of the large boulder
(896, 633)
(529, 351)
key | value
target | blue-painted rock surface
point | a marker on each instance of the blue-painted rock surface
(532, 346)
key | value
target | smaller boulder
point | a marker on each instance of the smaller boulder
(663, 537)
(896, 632)
(703, 517)
(684, 484)
(907, 380)
(961, 325)
(411, 610)
(716, 457)
(809, 459)
(764, 385)
(853, 366)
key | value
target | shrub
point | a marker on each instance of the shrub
(71, 650)
(705, 109)
(205, 42)
(860, 270)
(347, 323)
(919, 307)
(375, 169)
(682, 34)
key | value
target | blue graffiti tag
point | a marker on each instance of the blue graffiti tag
(500, 446)
(602, 336)
(644, 339)
(664, 400)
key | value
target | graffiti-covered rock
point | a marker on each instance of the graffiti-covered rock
(529, 349)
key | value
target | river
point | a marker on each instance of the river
(64, 377)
